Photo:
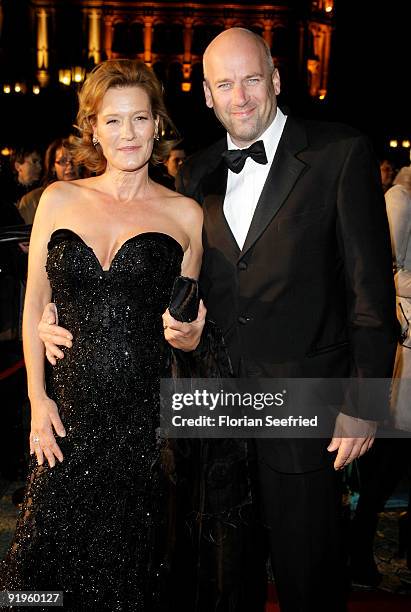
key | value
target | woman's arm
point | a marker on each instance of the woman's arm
(186, 336)
(399, 217)
(398, 203)
(44, 413)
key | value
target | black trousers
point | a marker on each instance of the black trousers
(380, 470)
(302, 513)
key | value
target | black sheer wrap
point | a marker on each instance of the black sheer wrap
(215, 522)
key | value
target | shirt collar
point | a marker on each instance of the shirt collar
(270, 137)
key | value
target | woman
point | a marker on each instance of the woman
(398, 202)
(58, 166)
(90, 520)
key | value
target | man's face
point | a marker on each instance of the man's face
(240, 88)
(174, 161)
(30, 170)
(387, 172)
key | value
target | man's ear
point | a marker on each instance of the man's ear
(207, 94)
(276, 81)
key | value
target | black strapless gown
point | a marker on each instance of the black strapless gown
(92, 525)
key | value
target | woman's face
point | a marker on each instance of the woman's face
(125, 128)
(64, 167)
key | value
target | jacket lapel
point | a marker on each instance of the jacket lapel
(217, 228)
(283, 174)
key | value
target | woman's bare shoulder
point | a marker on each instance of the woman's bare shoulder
(61, 193)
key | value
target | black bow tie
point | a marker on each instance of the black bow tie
(235, 158)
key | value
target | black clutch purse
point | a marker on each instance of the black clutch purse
(184, 300)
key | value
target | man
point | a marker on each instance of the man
(387, 174)
(297, 273)
(175, 160)
(26, 166)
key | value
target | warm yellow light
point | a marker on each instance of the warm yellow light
(5, 151)
(186, 87)
(328, 9)
(406, 144)
(36, 89)
(65, 76)
(6, 89)
(77, 74)
(393, 144)
(17, 88)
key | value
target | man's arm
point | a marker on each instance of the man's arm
(363, 238)
(52, 335)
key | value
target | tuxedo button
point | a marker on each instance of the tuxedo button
(242, 265)
(243, 320)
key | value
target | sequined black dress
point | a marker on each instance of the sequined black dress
(92, 525)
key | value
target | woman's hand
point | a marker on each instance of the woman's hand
(184, 336)
(52, 335)
(45, 416)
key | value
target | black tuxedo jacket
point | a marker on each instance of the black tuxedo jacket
(311, 293)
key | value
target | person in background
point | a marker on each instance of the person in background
(166, 175)
(26, 166)
(58, 166)
(175, 160)
(390, 459)
(387, 174)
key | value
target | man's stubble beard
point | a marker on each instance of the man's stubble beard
(246, 133)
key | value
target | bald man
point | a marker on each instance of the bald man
(297, 273)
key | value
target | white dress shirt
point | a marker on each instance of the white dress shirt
(244, 189)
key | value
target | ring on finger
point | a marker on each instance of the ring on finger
(36, 439)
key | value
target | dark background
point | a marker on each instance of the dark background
(368, 85)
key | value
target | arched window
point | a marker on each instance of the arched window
(281, 42)
(137, 38)
(255, 28)
(175, 76)
(202, 36)
(120, 35)
(160, 70)
(197, 78)
(128, 39)
(168, 38)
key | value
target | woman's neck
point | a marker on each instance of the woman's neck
(126, 186)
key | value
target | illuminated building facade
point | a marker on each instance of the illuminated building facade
(73, 35)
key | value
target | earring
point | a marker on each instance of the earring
(156, 136)
(95, 140)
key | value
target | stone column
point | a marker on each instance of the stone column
(148, 39)
(268, 32)
(42, 47)
(326, 59)
(187, 64)
(94, 35)
(108, 35)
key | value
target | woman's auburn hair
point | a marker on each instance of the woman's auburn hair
(111, 74)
